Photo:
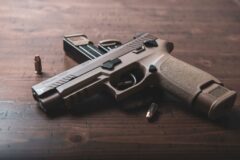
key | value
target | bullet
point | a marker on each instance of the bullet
(153, 109)
(38, 64)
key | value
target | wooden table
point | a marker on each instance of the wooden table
(206, 34)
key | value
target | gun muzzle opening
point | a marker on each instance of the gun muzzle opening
(50, 103)
(34, 95)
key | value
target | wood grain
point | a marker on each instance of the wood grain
(205, 33)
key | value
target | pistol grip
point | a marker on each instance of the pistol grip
(202, 91)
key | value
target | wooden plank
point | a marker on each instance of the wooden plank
(205, 33)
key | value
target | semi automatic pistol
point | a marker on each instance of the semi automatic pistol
(140, 63)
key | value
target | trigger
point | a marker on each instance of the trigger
(127, 81)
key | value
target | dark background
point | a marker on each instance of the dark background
(206, 34)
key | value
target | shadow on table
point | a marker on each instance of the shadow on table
(232, 120)
(103, 102)
(139, 103)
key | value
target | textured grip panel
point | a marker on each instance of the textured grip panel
(182, 79)
(196, 87)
